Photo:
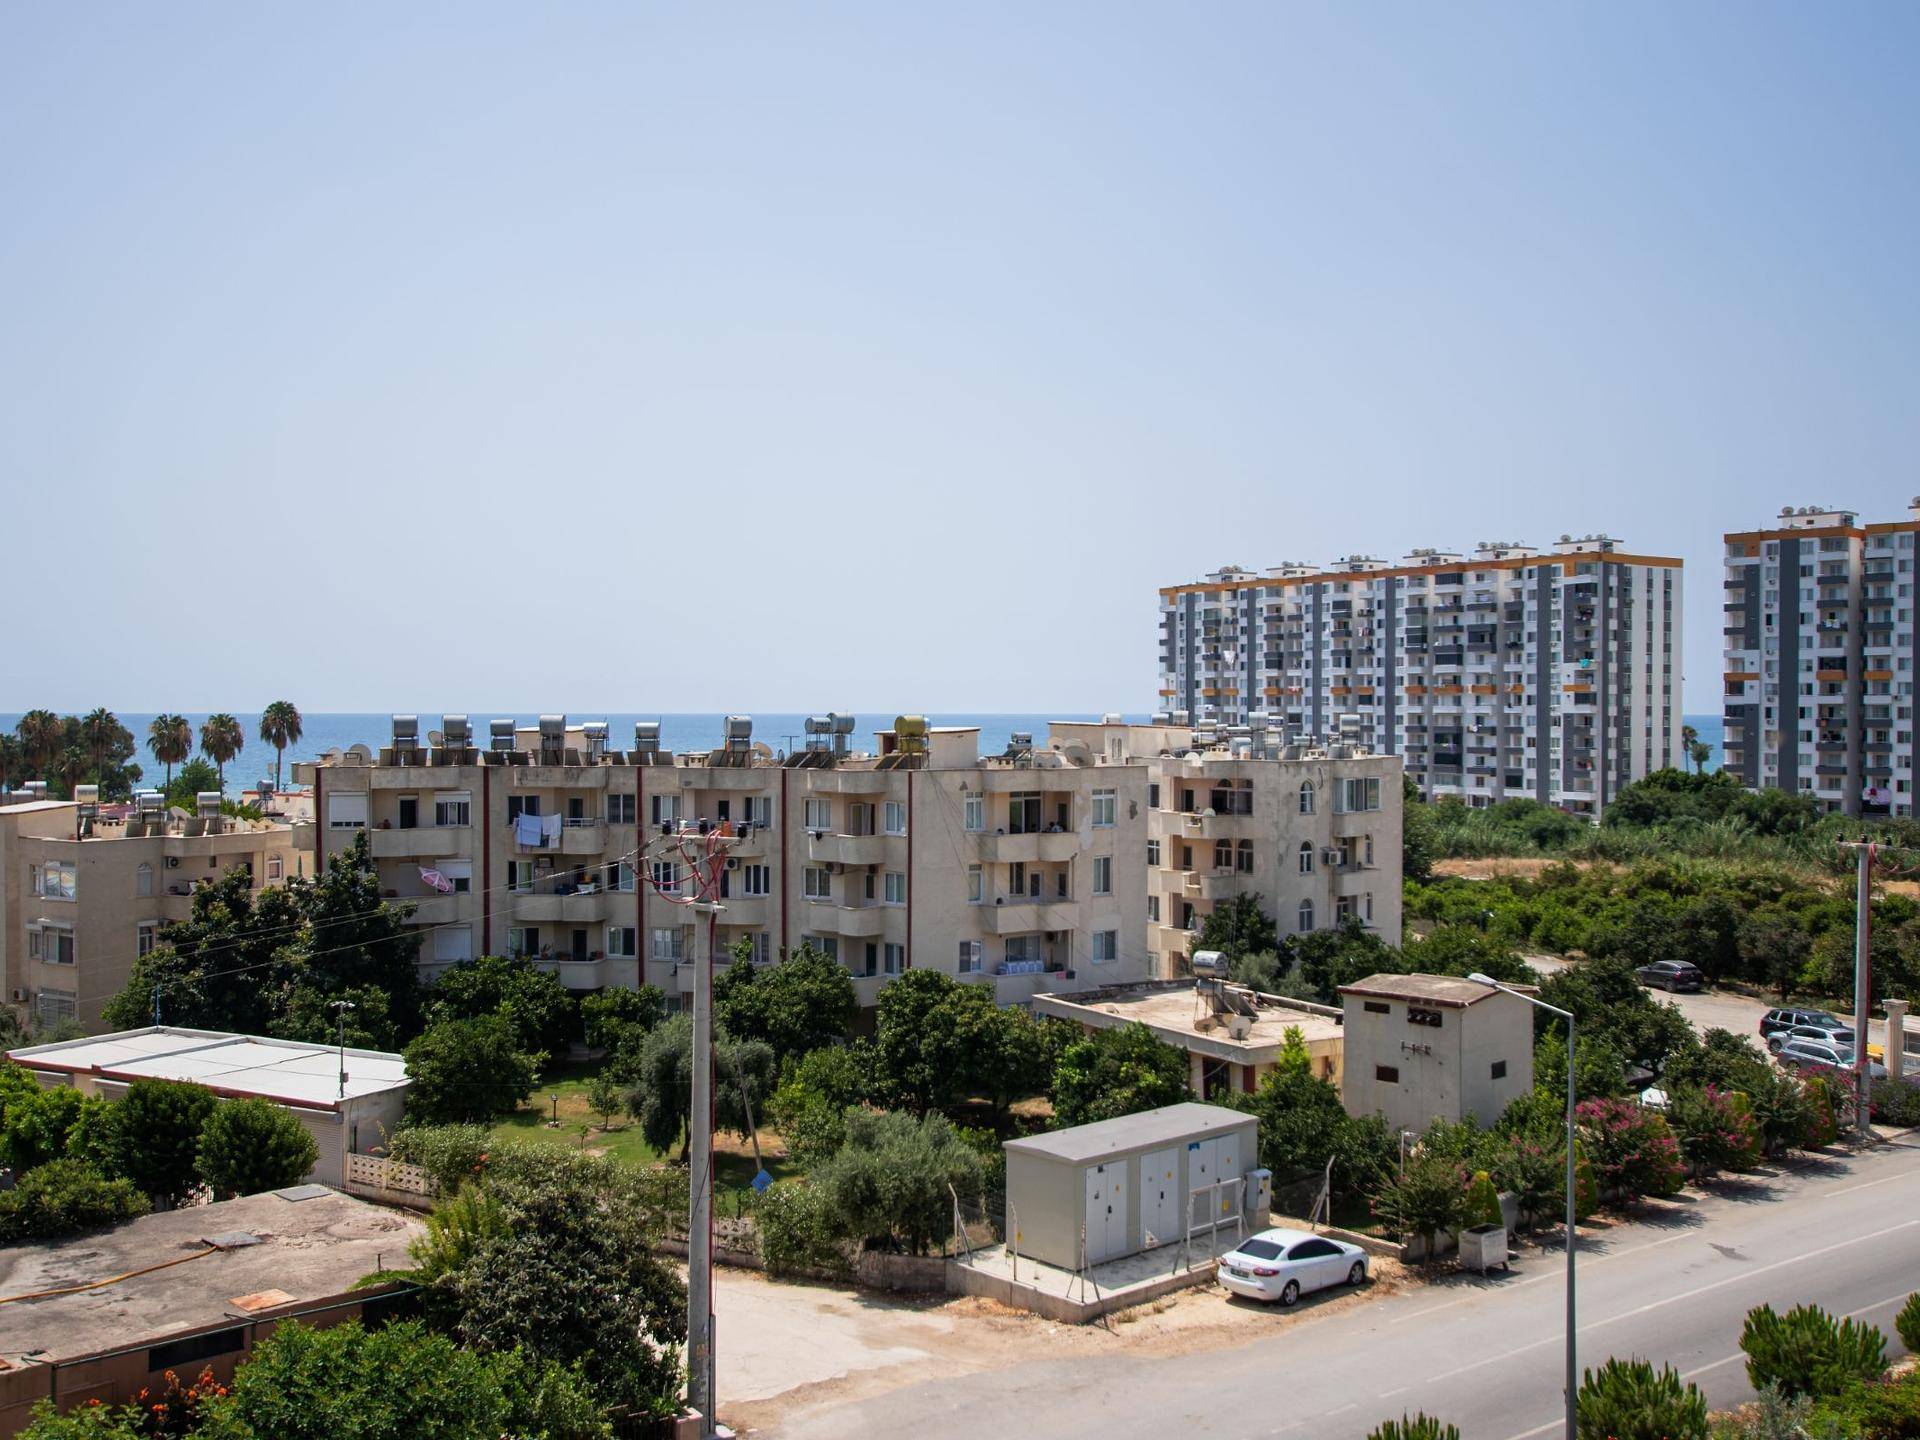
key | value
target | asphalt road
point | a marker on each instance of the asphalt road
(1484, 1353)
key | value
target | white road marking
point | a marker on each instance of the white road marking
(1538, 1430)
(1883, 1180)
(1557, 1273)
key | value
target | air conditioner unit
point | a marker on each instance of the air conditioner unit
(733, 862)
(173, 862)
(835, 868)
(19, 997)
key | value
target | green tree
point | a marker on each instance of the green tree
(1117, 1072)
(247, 1146)
(354, 938)
(1773, 951)
(798, 1005)
(542, 1013)
(195, 777)
(1418, 841)
(170, 738)
(280, 726)
(1303, 1126)
(932, 1037)
(13, 762)
(1424, 1200)
(43, 1125)
(1809, 1352)
(221, 738)
(63, 1197)
(616, 1019)
(468, 1071)
(661, 1095)
(155, 1137)
(1414, 1427)
(42, 737)
(888, 1184)
(1238, 926)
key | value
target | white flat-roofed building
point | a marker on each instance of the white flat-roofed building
(349, 1100)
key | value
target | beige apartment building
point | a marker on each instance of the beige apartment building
(85, 888)
(1312, 829)
(1020, 870)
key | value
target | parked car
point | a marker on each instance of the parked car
(1675, 975)
(1838, 1036)
(1819, 1054)
(1775, 1021)
(1284, 1264)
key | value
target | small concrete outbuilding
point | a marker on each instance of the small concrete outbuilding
(1421, 1048)
(1130, 1183)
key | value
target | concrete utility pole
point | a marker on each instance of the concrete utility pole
(1863, 853)
(700, 1388)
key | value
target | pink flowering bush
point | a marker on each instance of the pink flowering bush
(1633, 1149)
(1716, 1129)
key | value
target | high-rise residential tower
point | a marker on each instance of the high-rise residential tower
(1508, 672)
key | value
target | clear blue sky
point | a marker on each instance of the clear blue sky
(785, 356)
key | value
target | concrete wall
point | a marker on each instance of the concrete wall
(1444, 1072)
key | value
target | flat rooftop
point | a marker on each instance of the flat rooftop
(1180, 1015)
(1446, 990)
(1141, 1130)
(307, 1249)
(289, 1071)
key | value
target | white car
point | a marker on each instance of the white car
(1284, 1264)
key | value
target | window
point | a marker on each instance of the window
(143, 880)
(759, 947)
(1343, 910)
(818, 813)
(1378, 1007)
(620, 876)
(1353, 796)
(55, 1006)
(1313, 1250)
(459, 874)
(1106, 946)
(1023, 813)
(1243, 857)
(666, 876)
(1153, 854)
(1153, 908)
(974, 809)
(759, 810)
(970, 953)
(620, 809)
(1102, 875)
(817, 883)
(827, 945)
(523, 940)
(347, 811)
(895, 958)
(1387, 1074)
(1499, 1069)
(976, 884)
(1306, 857)
(455, 807)
(756, 880)
(895, 892)
(276, 867)
(666, 944)
(1223, 854)
(622, 940)
(51, 943)
(1106, 807)
(894, 818)
(1306, 797)
(145, 936)
(664, 809)
(520, 876)
(1306, 916)
(1153, 796)
(53, 880)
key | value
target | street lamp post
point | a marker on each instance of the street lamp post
(1573, 1368)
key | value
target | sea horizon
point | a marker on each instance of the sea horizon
(323, 731)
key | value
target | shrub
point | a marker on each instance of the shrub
(1634, 1151)
(1824, 1103)
(252, 1145)
(1809, 1352)
(92, 1421)
(1895, 1102)
(1716, 1129)
(797, 1231)
(468, 1071)
(450, 1154)
(1416, 1427)
(1483, 1202)
(1629, 1400)
(1886, 1409)
(1424, 1200)
(156, 1137)
(1907, 1323)
(1117, 1072)
(62, 1197)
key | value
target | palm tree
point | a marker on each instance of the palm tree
(12, 761)
(41, 735)
(1696, 750)
(280, 727)
(221, 738)
(98, 730)
(170, 738)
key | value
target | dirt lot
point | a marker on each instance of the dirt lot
(786, 1349)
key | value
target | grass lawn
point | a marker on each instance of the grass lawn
(565, 1092)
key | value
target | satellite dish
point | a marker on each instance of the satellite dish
(762, 751)
(333, 755)
(359, 751)
(436, 739)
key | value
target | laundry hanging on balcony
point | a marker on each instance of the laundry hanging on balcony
(434, 880)
(527, 831)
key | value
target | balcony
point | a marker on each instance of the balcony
(1211, 884)
(866, 921)
(601, 973)
(558, 777)
(432, 909)
(578, 909)
(754, 911)
(583, 837)
(1023, 917)
(423, 842)
(846, 782)
(1030, 846)
(1219, 827)
(828, 848)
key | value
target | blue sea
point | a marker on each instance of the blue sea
(323, 732)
